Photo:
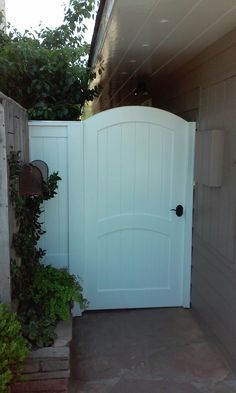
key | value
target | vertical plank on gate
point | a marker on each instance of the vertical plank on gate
(76, 202)
(189, 216)
(76, 198)
(5, 294)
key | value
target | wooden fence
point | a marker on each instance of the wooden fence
(13, 136)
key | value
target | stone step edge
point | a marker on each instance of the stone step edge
(48, 369)
(52, 385)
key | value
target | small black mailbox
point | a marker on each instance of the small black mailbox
(30, 181)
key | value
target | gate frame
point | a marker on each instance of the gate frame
(187, 265)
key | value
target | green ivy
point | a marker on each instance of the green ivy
(49, 299)
(13, 349)
(57, 288)
(27, 214)
(45, 294)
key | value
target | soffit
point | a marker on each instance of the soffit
(150, 39)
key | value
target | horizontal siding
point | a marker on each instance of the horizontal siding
(214, 268)
(216, 274)
(186, 105)
(215, 64)
(218, 68)
(205, 90)
(207, 311)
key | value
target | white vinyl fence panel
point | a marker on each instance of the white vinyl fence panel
(49, 142)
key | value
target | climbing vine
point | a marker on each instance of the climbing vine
(44, 294)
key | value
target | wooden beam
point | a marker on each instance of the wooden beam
(5, 287)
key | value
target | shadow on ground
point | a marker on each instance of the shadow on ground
(146, 351)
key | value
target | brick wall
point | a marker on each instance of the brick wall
(48, 369)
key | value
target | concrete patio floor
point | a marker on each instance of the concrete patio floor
(146, 351)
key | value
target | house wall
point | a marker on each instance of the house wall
(13, 136)
(205, 91)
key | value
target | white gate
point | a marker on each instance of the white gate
(123, 171)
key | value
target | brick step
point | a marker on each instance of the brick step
(48, 369)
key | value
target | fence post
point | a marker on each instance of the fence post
(5, 290)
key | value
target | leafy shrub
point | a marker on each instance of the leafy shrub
(46, 70)
(13, 349)
(47, 300)
(55, 290)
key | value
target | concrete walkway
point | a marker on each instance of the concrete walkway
(146, 351)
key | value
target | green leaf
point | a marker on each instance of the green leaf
(45, 294)
(13, 349)
(45, 70)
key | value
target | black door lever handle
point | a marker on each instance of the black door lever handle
(178, 210)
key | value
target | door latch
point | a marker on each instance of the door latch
(178, 210)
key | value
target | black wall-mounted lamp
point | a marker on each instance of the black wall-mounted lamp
(141, 89)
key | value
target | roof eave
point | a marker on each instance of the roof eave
(95, 31)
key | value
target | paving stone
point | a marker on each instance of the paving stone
(54, 365)
(134, 329)
(31, 366)
(156, 350)
(62, 374)
(91, 369)
(134, 386)
(96, 367)
(51, 352)
(224, 387)
(90, 387)
(145, 386)
(196, 361)
(64, 333)
(54, 385)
